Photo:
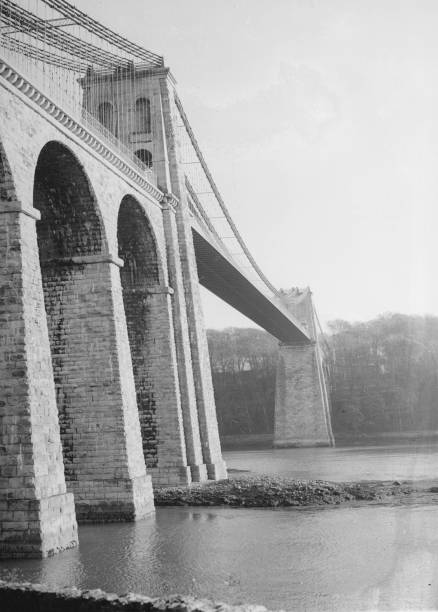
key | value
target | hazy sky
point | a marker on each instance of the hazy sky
(319, 121)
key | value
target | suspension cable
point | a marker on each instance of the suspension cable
(93, 26)
(37, 28)
(220, 200)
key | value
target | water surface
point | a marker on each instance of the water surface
(338, 558)
(332, 559)
(396, 462)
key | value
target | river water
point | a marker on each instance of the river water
(338, 558)
(402, 461)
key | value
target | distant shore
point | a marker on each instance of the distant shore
(243, 442)
(259, 491)
(247, 441)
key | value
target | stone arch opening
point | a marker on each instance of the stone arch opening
(106, 116)
(140, 278)
(145, 156)
(70, 225)
(70, 238)
(143, 115)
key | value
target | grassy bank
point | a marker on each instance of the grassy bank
(268, 491)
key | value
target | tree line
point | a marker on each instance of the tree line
(243, 363)
(382, 376)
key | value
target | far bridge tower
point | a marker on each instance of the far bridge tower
(302, 414)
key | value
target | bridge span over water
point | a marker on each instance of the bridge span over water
(109, 221)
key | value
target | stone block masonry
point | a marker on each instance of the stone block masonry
(300, 411)
(92, 369)
(208, 428)
(95, 395)
(37, 515)
(148, 307)
(183, 354)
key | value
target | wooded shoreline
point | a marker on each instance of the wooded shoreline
(381, 375)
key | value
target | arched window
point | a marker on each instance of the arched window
(106, 115)
(145, 156)
(143, 115)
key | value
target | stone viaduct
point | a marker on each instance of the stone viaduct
(105, 383)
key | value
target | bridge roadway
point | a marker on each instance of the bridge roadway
(222, 276)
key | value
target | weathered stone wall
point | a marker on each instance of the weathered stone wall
(37, 515)
(183, 353)
(147, 298)
(24, 132)
(208, 428)
(300, 417)
(118, 91)
(102, 442)
(38, 598)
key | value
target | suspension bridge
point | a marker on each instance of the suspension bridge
(110, 219)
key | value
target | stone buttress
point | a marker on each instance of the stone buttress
(197, 347)
(37, 515)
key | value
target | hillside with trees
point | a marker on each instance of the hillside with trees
(243, 363)
(383, 377)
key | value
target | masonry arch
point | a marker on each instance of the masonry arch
(141, 276)
(70, 239)
(70, 223)
(95, 399)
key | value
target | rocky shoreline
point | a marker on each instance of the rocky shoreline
(28, 597)
(259, 491)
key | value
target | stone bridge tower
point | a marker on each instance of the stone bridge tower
(137, 104)
(302, 413)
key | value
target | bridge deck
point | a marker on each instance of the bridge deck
(220, 276)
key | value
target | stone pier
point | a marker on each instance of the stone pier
(37, 514)
(302, 412)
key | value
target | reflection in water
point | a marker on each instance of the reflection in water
(327, 559)
(411, 579)
(336, 559)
